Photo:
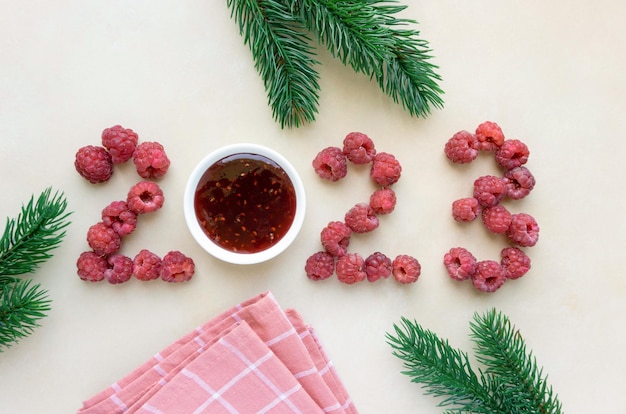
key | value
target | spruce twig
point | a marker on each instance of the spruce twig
(511, 381)
(25, 243)
(444, 371)
(282, 56)
(366, 35)
(22, 304)
(501, 348)
(28, 239)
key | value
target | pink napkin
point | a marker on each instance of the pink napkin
(253, 358)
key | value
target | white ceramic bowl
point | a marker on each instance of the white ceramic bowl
(198, 232)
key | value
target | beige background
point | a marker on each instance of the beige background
(551, 74)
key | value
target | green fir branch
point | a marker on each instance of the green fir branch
(28, 239)
(22, 304)
(501, 348)
(366, 35)
(282, 56)
(442, 370)
(25, 243)
(511, 381)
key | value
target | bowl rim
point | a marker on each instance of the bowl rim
(198, 233)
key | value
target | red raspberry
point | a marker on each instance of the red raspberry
(519, 182)
(331, 164)
(91, 267)
(377, 265)
(459, 263)
(145, 197)
(489, 190)
(151, 160)
(94, 163)
(336, 238)
(512, 153)
(177, 267)
(489, 136)
(524, 230)
(386, 169)
(497, 219)
(117, 216)
(489, 276)
(406, 269)
(461, 148)
(120, 142)
(120, 269)
(103, 239)
(147, 265)
(465, 209)
(383, 200)
(320, 266)
(514, 262)
(359, 148)
(361, 218)
(350, 268)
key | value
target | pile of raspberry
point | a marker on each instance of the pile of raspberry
(515, 183)
(119, 218)
(331, 163)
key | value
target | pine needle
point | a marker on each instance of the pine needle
(25, 243)
(282, 56)
(28, 239)
(511, 381)
(22, 304)
(501, 348)
(366, 35)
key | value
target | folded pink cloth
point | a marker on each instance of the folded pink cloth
(253, 358)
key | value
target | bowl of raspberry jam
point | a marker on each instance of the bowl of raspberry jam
(244, 203)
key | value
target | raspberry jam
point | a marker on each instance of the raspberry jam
(245, 203)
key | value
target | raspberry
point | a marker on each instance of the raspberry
(151, 160)
(386, 169)
(117, 216)
(489, 190)
(497, 219)
(461, 148)
(145, 197)
(331, 164)
(91, 267)
(514, 262)
(177, 267)
(406, 269)
(512, 153)
(524, 230)
(120, 269)
(383, 200)
(465, 209)
(336, 238)
(103, 239)
(359, 148)
(489, 276)
(320, 266)
(489, 136)
(460, 263)
(361, 218)
(350, 268)
(519, 182)
(147, 265)
(377, 266)
(94, 163)
(120, 142)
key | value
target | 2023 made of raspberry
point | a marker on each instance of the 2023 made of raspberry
(119, 218)
(516, 182)
(331, 163)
